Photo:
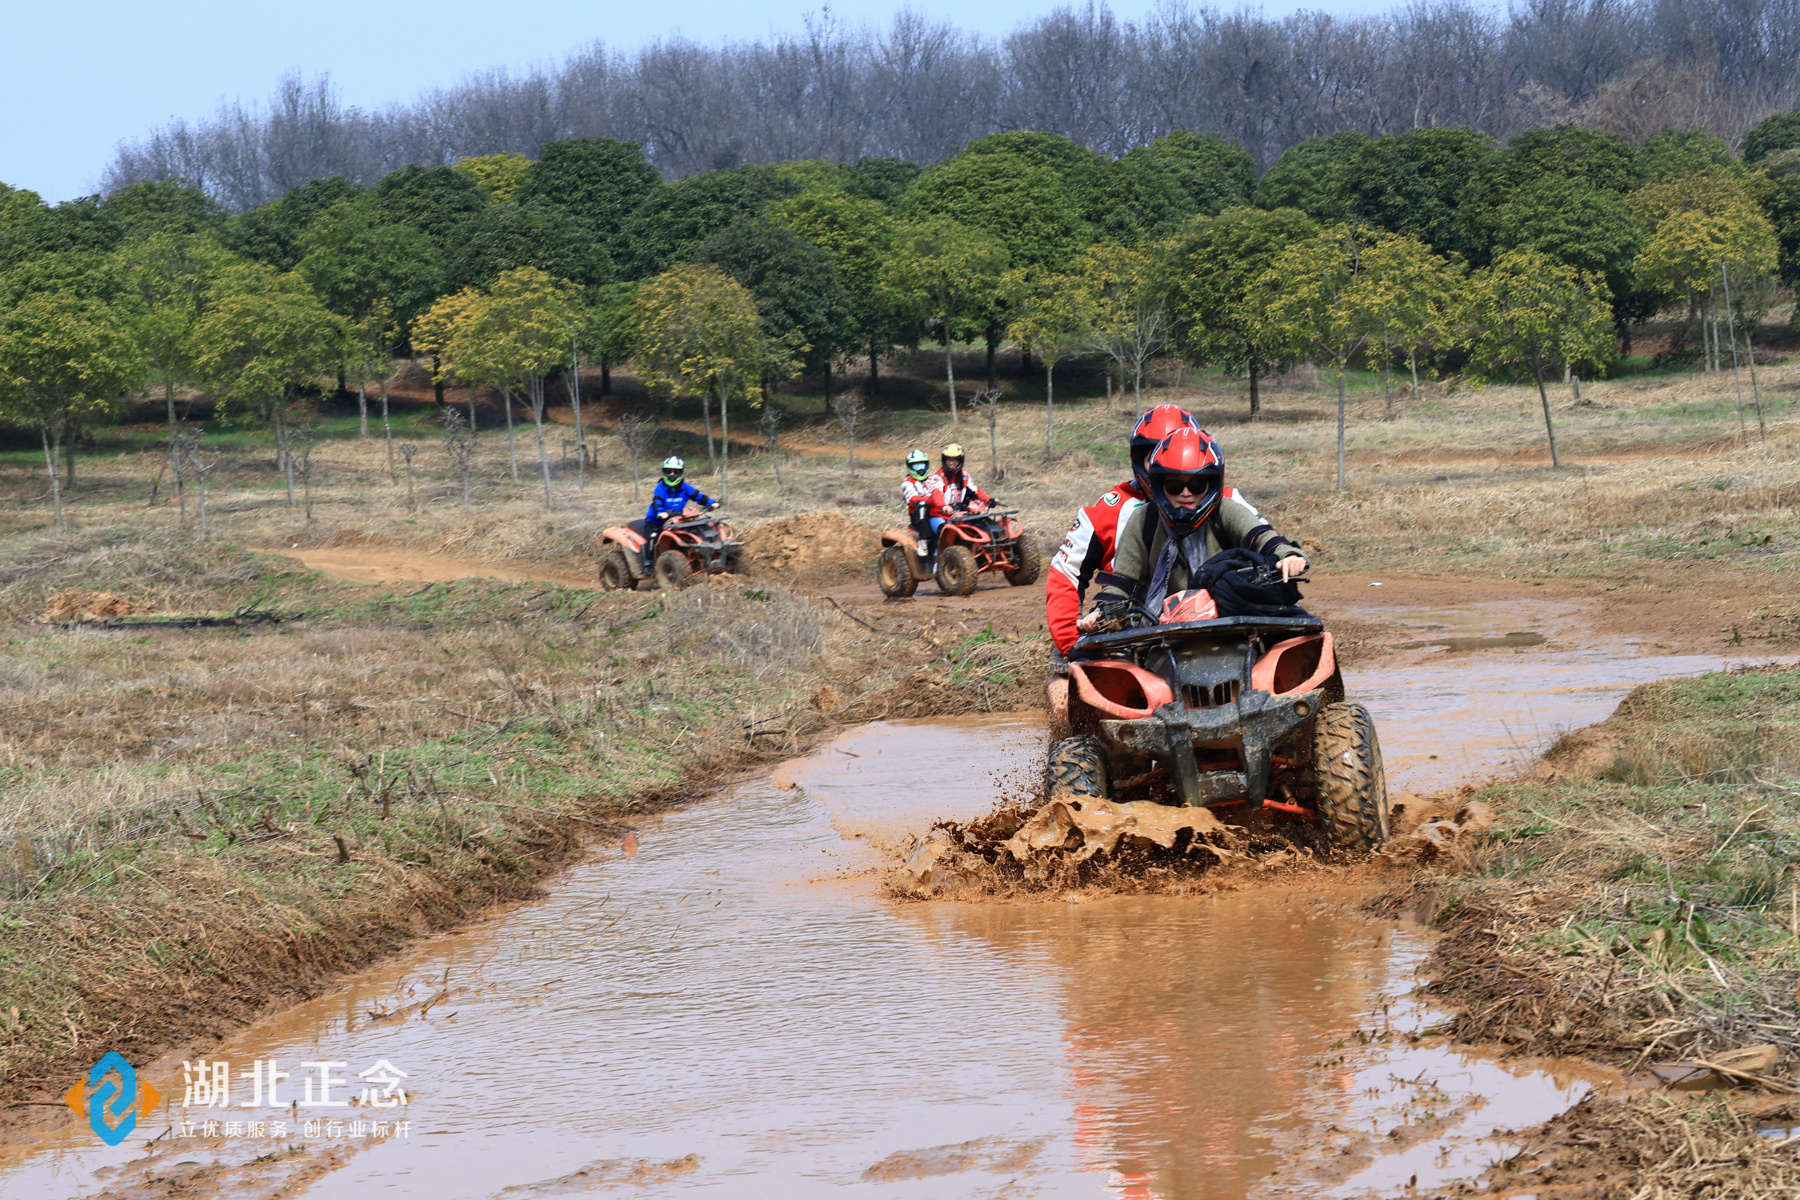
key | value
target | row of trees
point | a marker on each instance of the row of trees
(919, 89)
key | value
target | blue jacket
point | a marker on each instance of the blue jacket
(667, 502)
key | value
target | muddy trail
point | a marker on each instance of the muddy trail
(731, 1002)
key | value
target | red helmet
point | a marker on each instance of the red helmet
(1151, 429)
(1187, 454)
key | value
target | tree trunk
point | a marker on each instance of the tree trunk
(362, 409)
(605, 378)
(874, 365)
(724, 441)
(1387, 377)
(512, 441)
(580, 436)
(1537, 370)
(993, 348)
(387, 432)
(1412, 361)
(827, 385)
(1255, 395)
(1340, 428)
(175, 449)
(437, 385)
(50, 457)
(950, 370)
(537, 419)
(1137, 383)
(283, 452)
(471, 410)
(1737, 382)
(69, 458)
(1049, 404)
(712, 458)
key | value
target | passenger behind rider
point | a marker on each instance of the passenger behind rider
(1191, 516)
(669, 501)
(916, 494)
(1088, 547)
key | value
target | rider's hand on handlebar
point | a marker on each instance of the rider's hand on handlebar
(1292, 567)
(1088, 621)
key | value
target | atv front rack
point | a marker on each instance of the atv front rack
(1108, 645)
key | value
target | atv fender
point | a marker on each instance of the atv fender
(1120, 690)
(900, 535)
(633, 541)
(1301, 664)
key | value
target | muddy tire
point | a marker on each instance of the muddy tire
(1353, 801)
(734, 562)
(615, 570)
(894, 575)
(1029, 564)
(673, 571)
(1076, 768)
(956, 571)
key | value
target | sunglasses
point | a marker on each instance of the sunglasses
(1177, 484)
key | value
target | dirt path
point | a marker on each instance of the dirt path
(399, 566)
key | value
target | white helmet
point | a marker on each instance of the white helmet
(673, 467)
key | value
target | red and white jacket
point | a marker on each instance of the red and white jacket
(919, 493)
(1087, 548)
(954, 493)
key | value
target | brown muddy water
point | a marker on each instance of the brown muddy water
(735, 1009)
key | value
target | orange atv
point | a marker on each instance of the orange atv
(697, 544)
(1235, 713)
(968, 544)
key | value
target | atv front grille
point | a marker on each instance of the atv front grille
(1217, 696)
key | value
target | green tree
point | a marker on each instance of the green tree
(1770, 136)
(264, 339)
(606, 333)
(271, 234)
(501, 176)
(796, 285)
(1528, 309)
(1212, 173)
(858, 233)
(1213, 272)
(1577, 225)
(437, 201)
(1314, 177)
(596, 181)
(1675, 154)
(700, 329)
(883, 180)
(139, 210)
(1025, 207)
(352, 258)
(947, 271)
(1046, 317)
(432, 334)
(517, 333)
(171, 276)
(674, 219)
(1415, 296)
(1412, 183)
(504, 237)
(1315, 301)
(1776, 185)
(64, 360)
(1124, 308)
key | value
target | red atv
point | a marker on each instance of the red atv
(1235, 713)
(697, 544)
(969, 543)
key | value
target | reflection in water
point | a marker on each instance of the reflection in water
(737, 1009)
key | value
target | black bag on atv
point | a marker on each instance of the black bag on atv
(1244, 583)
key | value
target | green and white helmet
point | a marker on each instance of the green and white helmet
(673, 466)
(918, 464)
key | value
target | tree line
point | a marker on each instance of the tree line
(1431, 249)
(920, 90)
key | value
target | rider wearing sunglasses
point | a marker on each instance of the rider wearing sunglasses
(1195, 517)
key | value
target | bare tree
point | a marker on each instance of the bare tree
(198, 464)
(407, 450)
(300, 441)
(771, 432)
(635, 431)
(459, 444)
(850, 409)
(987, 403)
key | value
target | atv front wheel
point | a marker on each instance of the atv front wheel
(956, 571)
(673, 571)
(734, 562)
(615, 570)
(1027, 570)
(894, 575)
(1076, 768)
(1353, 801)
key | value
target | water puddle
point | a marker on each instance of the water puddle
(736, 1008)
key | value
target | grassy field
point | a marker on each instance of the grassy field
(201, 819)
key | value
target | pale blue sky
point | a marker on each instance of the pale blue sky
(83, 77)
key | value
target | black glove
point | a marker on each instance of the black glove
(1119, 613)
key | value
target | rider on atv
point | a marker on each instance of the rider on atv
(916, 493)
(1196, 517)
(956, 492)
(1089, 545)
(669, 501)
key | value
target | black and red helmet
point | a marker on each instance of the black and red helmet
(1194, 458)
(1150, 431)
